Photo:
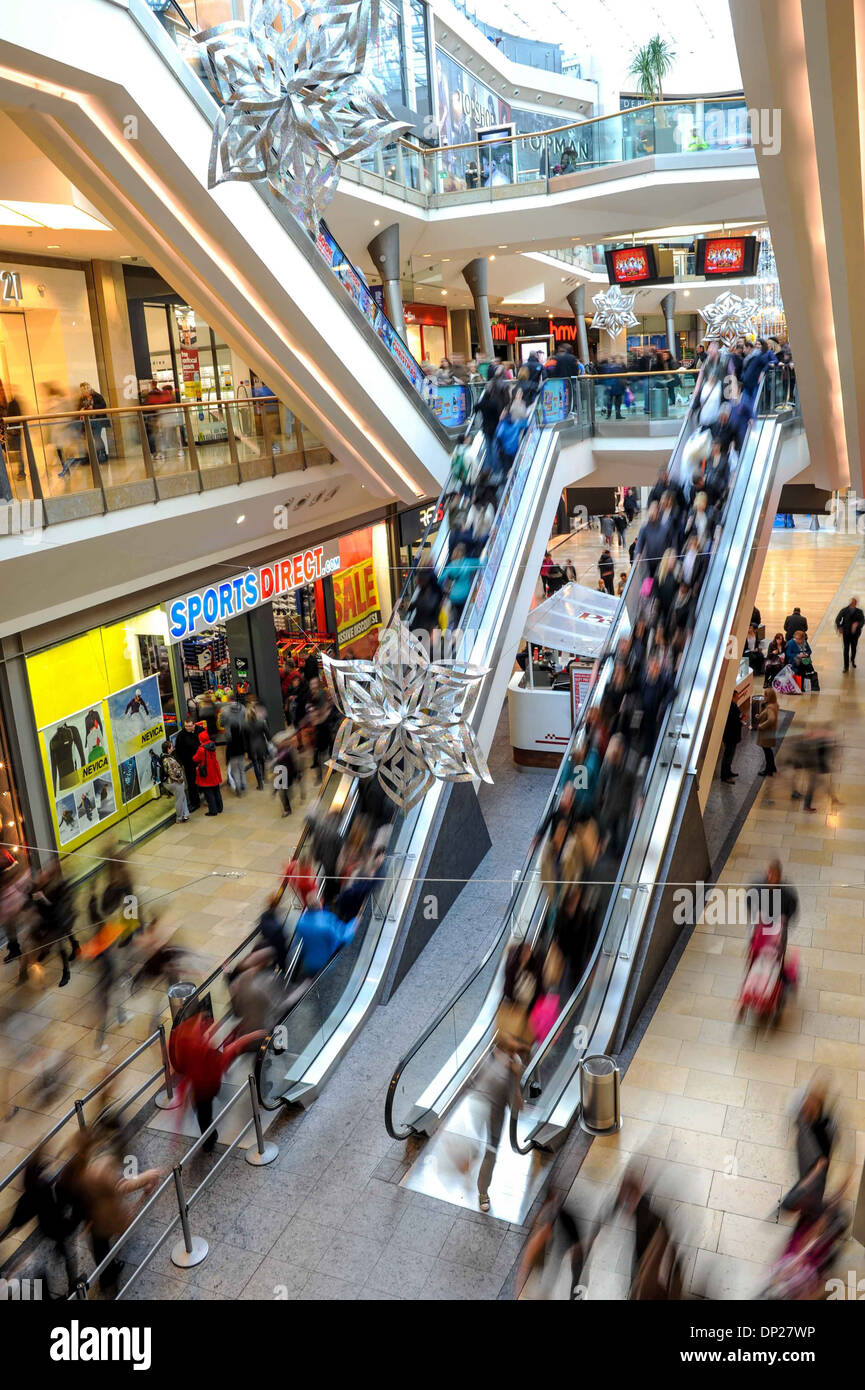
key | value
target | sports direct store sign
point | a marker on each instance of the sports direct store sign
(233, 597)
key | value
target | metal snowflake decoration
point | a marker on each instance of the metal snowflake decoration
(614, 311)
(296, 99)
(728, 318)
(406, 718)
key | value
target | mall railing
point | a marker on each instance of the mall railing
(430, 1076)
(89, 462)
(542, 161)
(552, 1067)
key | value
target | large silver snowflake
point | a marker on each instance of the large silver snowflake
(614, 311)
(406, 718)
(296, 98)
(728, 318)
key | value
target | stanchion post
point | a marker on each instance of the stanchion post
(263, 1153)
(192, 1249)
(165, 1098)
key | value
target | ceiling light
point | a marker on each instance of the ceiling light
(53, 246)
(377, 222)
(444, 259)
(444, 293)
(242, 517)
(686, 293)
(57, 216)
(492, 258)
(503, 248)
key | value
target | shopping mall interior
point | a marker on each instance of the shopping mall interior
(527, 960)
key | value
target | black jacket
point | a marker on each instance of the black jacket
(733, 727)
(849, 621)
(795, 623)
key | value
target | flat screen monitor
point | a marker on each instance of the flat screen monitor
(722, 257)
(632, 265)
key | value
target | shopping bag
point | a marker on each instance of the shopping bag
(785, 682)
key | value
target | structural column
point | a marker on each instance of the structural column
(475, 276)
(384, 250)
(668, 309)
(577, 301)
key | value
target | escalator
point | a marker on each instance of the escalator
(597, 1015)
(104, 90)
(300, 1052)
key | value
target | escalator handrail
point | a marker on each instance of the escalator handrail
(586, 980)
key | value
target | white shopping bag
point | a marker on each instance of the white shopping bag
(785, 683)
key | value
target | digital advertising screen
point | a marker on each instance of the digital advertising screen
(726, 256)
(631, 265)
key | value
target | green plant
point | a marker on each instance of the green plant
(650, 65)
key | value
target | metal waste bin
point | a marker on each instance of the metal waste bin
(757, 703)
(659, 403)
(600, 1102)
(178, 995)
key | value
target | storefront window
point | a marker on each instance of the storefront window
(388, 62)
(46, 339)
(104, 703)
(12, 838)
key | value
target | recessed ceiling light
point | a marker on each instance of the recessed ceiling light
(377, 222)
(492, 258)
(444, 293)
(53, 246)
(242, 517)
(427, 255)
(444, 259)
(503, 248)
(686, 293)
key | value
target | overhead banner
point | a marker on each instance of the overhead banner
(355, 596)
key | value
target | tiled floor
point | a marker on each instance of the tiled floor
(706, 1099)
(179, 870)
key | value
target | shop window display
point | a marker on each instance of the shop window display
(104, 703)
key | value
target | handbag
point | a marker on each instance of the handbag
(512, 1021)
(544, 1015)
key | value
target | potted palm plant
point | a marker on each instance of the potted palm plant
(650, 65)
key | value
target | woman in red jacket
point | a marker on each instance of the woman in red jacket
(201, 1064)
(208, 775)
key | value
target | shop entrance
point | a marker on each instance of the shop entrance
(17, 382)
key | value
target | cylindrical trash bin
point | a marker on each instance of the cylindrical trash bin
(178, 995)
(600, 1107)
(757, 703)
(660, 403)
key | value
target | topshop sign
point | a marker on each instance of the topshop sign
(257, 585)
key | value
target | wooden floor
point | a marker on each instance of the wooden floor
(706, 1100)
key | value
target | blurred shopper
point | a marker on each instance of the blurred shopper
(258, 741)
(95, 1181)
(767, 732)
(175, 781)
(730, 740)
(208, 773)
(201, 1063)
(185, 748)
(849, 623)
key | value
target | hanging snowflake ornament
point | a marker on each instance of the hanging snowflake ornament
(728, 318)
(297, 97)
(614, 311)
(406, 718)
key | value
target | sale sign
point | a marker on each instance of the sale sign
(355, 596)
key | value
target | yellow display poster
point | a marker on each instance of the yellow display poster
(356, 601)
(137, 730)
(95, 774)
(75, 750)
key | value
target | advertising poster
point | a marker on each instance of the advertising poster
(138, 731)
(356, 601)
(554, 402)
(463, 103)
(496, 156)
(725, 257)
(631, 264)
(77, 758)
(581, 684)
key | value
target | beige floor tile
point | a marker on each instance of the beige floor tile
(700, 1150)
(656, 1076)
(763, 1067)
(765, 1162)
(715, 1086)
(743, 1196)
(749, 1239)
